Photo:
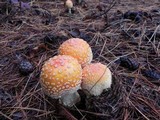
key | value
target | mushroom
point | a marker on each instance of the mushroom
(96, 77)
(61, 78)
(69, 5)
(77, 48)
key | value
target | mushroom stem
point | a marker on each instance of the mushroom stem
(70, 11)
(79, 1)
(70, 99)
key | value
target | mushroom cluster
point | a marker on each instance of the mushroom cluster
(71, 70)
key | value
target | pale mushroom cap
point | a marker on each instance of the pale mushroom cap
(96, 77)
(69, 4)
(77, 48)
(60, 74)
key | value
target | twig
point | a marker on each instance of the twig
(5, 116)
(139, 111)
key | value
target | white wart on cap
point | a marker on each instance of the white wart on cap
(96, 77)
(61, 78)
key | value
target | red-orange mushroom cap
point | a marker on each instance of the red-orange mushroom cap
(61, 78)
(77, 48)
(96, 77)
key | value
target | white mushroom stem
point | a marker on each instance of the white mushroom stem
(70, 11)
(69, 99)
(69, 5)
(79, 1)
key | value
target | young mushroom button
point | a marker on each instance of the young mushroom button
(69, 5)
(77, 48)
(96, 77)
(61, 78)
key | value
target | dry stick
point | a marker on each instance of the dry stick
(139, 77)
(22, 92)
(114, 23)
(37, 83)
(26, 85)
(139, 111)
(5, 116)
(43, 114)
(29, 93)
(119, 58)
(146, 102)
(34, 109)
(79, 111)
(30, 96)
(43, 104)
(149, 105)
(154, 33)
(93, 113)
(110, 51)
(103, 48)
(35, 91)
(126, 115)
(132, 88)
(158, 47)
(105, 58)
(19, 45)
(153, 43)
(133, 85)
(106, 11)
(114, 47)
(143, 33)
(44, 101)
(126, 32)
(51, 104)
(66, 113)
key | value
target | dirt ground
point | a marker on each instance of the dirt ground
(123, 34)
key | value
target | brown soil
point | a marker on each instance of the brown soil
(135, 92)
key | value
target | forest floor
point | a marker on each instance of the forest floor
(123, 34)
